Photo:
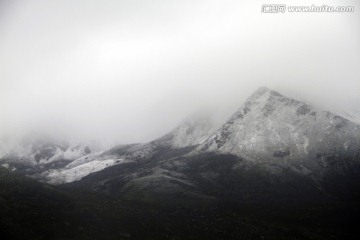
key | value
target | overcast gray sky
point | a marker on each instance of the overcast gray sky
(131, 70)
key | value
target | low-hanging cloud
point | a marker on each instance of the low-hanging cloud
(131, 70)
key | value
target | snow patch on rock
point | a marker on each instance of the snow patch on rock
(76, 173)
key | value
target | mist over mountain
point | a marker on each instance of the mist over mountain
(130, 72)
(273, 151)
(275, 162)
(142, 120)
(270, 135)
(272, 126)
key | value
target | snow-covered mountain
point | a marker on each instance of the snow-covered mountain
(192, 131)
(34, 154)
(272, 128)
(275, 158)
(269, 131)
(273, 148)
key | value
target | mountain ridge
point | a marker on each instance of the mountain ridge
(269, 129)
(268, 116)
(301, 156)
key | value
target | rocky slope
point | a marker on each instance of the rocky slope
(273, 148)
(190, 132)
(32, 210)
(277, 169)
(275, 129)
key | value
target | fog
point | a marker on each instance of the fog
(129, 71)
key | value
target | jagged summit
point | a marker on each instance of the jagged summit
(267, 128)
(272, 127)
(273, 148)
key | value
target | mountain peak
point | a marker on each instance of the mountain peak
(270, 126)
